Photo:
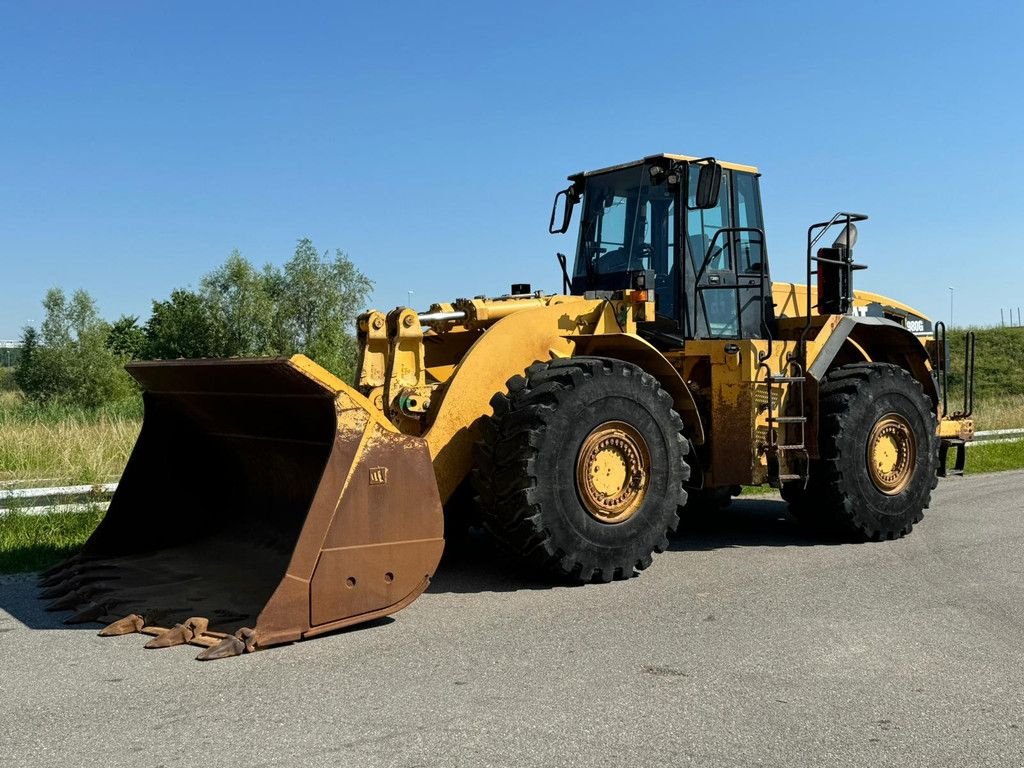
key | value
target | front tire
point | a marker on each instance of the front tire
(581, 469)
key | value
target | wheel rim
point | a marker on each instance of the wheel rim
(613, 472)
(892, 454)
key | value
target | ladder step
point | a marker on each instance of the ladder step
(788, 419)
(794, 447)
(788, 379)
(790, 477)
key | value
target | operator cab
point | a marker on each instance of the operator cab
(709, 267)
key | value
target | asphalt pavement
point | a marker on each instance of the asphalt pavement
(749, 643)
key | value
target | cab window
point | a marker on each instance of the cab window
(750, 248)
(701, 225)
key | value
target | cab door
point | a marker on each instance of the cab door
(726, 252)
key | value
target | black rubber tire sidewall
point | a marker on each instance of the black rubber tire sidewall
(525, 470)
(582, 410)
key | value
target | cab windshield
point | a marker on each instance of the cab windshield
(626, 227)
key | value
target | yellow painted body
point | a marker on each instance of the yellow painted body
(791, 301)
(437, 382)
(458, 370)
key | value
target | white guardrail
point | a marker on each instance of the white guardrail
(76, 498)
(998, 436)
(70, 498)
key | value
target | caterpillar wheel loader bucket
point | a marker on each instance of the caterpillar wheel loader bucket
(264, 502)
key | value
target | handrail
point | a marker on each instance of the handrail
(699, 289)
(847, 218)
(970, 341)
(941, 350)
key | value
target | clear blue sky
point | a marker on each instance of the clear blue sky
(140, 142)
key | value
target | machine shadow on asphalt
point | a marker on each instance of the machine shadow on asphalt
(19, 597)
(747, 522)
(472, 563)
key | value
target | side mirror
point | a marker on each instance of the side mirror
(709, 182)
(568, 197)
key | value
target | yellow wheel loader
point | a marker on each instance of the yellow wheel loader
(266, 501)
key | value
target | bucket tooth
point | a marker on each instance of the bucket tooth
(133, 622)
(81, 571)
(85, 586)
(176, 635)
(58, 590)
(91, 612)
(57, 577)
(179, 634)
(64, 574)
(59, 567)
(66, 603)
(243, 641)
(68, 569)
(229, 646)
(50, 572)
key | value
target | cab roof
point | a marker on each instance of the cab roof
(662, 156)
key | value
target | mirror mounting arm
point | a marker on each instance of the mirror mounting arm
(709, 181)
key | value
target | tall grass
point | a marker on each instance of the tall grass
(995, 412)
(61, 445)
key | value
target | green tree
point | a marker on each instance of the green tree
(126, 339)
(317, 305)
(69, 361)
(242, 307)
(183, 326)
(28, 373)
(307, 306)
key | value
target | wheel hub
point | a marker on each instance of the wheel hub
(892, 454)
(613, 472)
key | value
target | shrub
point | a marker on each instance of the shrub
(69, 362)
(7, 383)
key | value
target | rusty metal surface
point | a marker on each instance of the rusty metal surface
(306, 511)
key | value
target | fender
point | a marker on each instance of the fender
(633, 349)
(876, 340)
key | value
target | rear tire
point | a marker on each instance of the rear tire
(878, 452)
(581, 469)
